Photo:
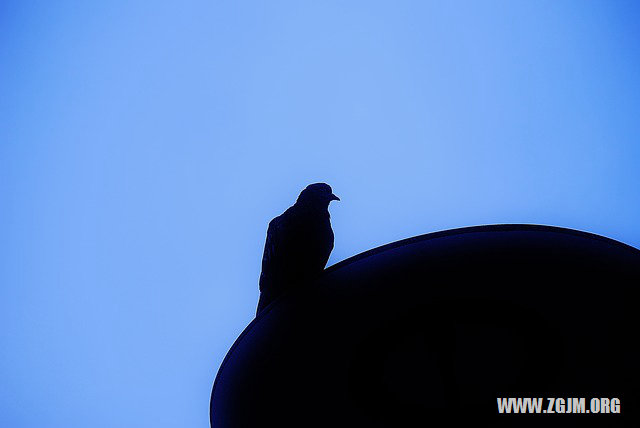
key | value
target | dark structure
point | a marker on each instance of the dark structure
(431, 330)
(298, 244)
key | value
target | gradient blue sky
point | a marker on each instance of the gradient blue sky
(146, 145)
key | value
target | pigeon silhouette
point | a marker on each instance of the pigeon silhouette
(298, 244)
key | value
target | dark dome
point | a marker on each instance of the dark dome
(429, 331)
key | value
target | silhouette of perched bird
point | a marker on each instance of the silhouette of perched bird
(298, 243)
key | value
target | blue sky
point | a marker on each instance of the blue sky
(146, 145)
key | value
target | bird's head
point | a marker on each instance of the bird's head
(317, 194)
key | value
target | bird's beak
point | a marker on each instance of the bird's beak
(334, 198)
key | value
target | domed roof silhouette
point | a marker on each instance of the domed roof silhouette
(431, 330)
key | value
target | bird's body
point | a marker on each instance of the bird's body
(298, 244)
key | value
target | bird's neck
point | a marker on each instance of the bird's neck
(320, 209)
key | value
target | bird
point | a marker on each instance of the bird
(298, 244)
